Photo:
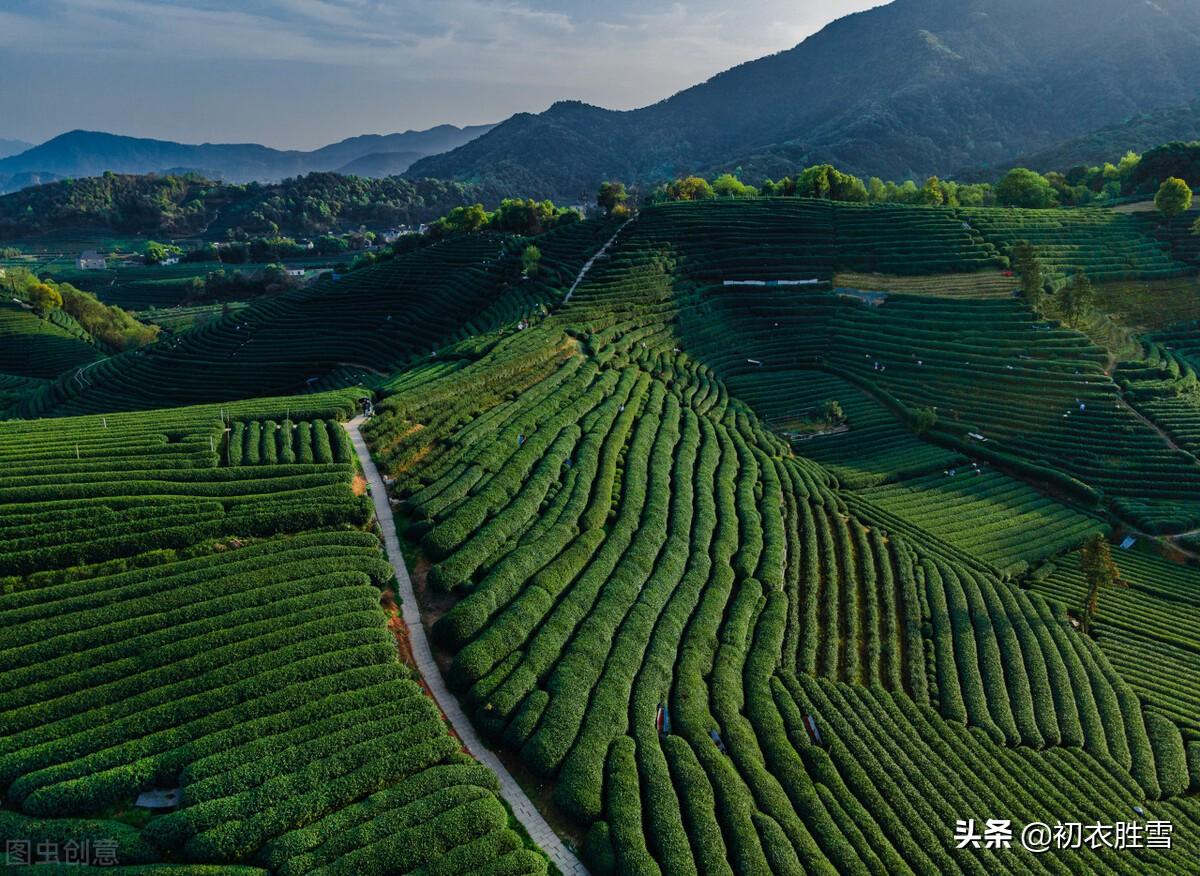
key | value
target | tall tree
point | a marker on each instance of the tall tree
(1025, 188)
(612, 196)
(1029, 268)
(531, 258)
(1075, 298)
(1174, 197)
(1100, 572)
(931, 193)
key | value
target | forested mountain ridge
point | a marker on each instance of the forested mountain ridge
(182, 206)
(1141, 132)
(908, 89)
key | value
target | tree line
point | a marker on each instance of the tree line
(1169, 173)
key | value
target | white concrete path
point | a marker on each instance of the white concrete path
(583, 272)
(522, 807)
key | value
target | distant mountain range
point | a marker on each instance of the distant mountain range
(91, 153)
(912, 88)
(13, 147)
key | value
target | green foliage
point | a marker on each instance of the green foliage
(729, 186)
(1101, 573)
(688, 188)
(1075, 298)
(44, 297)
(531, 258)
(1174, 197)
(1021, 187)
(1170, 160)
(179, 206)
(612, 196)
(111, 326)
(514, 216)
(831, 412)
(827, 182)
(156, 253)
(921, 420)
(1028, 265)
(257, 671)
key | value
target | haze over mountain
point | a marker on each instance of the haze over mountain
(13, 147)
(1143, 131)
(90, 153)
(913, 88)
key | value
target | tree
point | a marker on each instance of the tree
(1022, 187)
(612, 195)
(1174, 197)
(1029, 267)
(531, 258)
(831, 412)
(921, 420)
(1100, 573)
(826, 181)
(729, 186)
(462, 219)
(44, 297)
(931, 194)
(1075, 298)
(690, 188)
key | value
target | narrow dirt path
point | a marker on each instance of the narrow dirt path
(1157, 429)
(583, 272)
(522, 807)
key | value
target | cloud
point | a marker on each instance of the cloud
(478, 58)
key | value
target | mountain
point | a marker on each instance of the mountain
(13, 147)
(304, 206)
(903, 90)
(91, 153)
(443, 138)
(24, 180)
(380, 164)
(1143, 131)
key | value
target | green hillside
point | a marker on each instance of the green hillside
(34, 346)
(177, 616)
(743, 562)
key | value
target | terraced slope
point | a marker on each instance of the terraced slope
(725, 647)
(1147, 629)
(336, 333)
(978, 284)
(174, 617)
(627, 541)
(31, 346)
(987, 515)
(1107, 244)
(874, 447)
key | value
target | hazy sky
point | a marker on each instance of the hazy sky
(302, 73)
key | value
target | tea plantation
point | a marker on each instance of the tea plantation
(745, 562)
(184, 609)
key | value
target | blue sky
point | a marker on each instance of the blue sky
(302, 73)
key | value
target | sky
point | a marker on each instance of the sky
(303, 73)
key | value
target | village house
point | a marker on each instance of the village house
(91, 261)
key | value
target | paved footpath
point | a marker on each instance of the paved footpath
(522, 807)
